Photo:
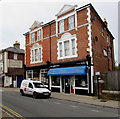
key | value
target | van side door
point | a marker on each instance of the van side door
(30, 89)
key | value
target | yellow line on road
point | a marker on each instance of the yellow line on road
(13, 112)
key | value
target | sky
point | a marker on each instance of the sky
(17, 16)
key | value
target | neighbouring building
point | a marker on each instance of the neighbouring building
(67, 52)
(12, 66)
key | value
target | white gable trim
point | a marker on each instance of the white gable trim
(65, 9)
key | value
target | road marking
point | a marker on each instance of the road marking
(95, 110)
(57, 103)
(13, 112)
(73, 106)
(6, 112)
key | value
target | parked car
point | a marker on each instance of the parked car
(34, 88)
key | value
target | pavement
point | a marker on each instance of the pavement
(80, 98)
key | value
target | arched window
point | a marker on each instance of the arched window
(67, 46)
(36, 53)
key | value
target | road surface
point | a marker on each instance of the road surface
(26, 106)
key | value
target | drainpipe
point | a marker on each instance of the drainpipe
(49, 62)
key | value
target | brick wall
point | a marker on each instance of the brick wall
(101, 63)
(49, 44)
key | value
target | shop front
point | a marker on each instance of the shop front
(69, 79)
(38, 74)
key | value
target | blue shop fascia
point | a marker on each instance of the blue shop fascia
(71, 77)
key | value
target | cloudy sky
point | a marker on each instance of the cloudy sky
(16, 17)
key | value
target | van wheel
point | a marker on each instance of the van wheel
(35, 95)
(22, 93)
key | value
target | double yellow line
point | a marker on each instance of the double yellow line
(12, 112)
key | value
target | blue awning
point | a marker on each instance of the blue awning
(79, 70)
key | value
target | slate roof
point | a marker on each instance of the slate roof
(15, 50)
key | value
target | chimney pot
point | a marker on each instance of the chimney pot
(105, 22)
(16, 45)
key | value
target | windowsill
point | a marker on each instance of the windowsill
(67, 57)
(36, 62)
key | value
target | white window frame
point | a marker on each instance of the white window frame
(61, 26)
(38, 57)
(105, 52)
(38, 35)
(73, 47)
(62, 41)
(66, 48)
(32, 37)
(71, 22)
(15, 56)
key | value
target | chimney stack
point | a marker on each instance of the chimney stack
(16, 45)
(105, 22)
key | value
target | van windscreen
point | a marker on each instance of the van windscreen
(38, 85)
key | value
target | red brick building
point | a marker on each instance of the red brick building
(69, 50)
(12, 66)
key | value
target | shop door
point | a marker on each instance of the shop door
(67, 84)
(19, 80)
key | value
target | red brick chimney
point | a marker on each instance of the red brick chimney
(105, 22)
(16, 45)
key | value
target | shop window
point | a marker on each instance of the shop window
(44, 76)
(71, 22)
(55, 81)
(36, 74)
(29, 74)
(81, 81)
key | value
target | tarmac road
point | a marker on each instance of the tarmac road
(52, 107)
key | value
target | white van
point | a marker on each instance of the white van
(34, 88)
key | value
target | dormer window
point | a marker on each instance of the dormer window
(32, 37)
(71, 22)
(61, 26)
